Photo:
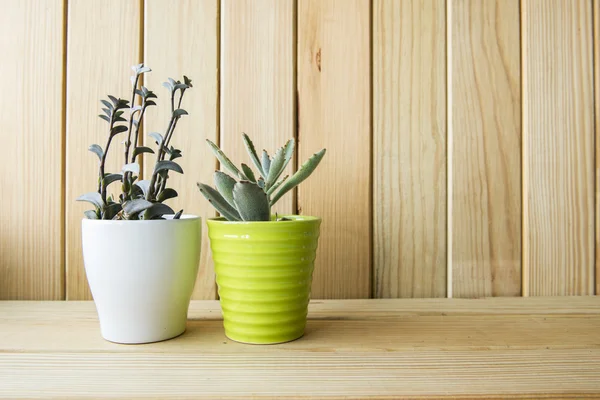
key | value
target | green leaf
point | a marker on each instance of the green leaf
(90, 214)
(251, 202)
(104, 117)
(181, 86)
(276, 167)
(158, 210)
(135, 109)
(168, 86)
(219, 203)
(261, 183)
(120, 119)
(304, 172)
(224, 184)
(142, 149)
(107, 104)
(107, 112)
(136, 67)
(168, 165)
(135, 206)
(280, 162)
(248, 172)
(224, 160)
(110, 178)
(118, 129)
(275, 186)
(167, 194)
(143, 70)
(134, 168)
(187, 81)
(92, 197)
(172, 81)
(150, 103)
(266, 163)
(111, 211)
(178, 215)
(114, 100)
(179, 112)
(94, 148)
(144, 185)
(253, 156)
(157, 137)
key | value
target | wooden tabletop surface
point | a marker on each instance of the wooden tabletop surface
(431, 348)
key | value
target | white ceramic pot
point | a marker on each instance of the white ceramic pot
(142, 275)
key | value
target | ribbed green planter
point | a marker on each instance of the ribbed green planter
(264, 274)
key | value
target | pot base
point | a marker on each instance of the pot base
(258, 343)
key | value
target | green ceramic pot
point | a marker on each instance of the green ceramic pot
(264, 274)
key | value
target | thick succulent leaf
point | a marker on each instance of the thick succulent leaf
(107, 112)
(158, 210)
(304, 172)
(225, 184)
(219, 203)
(143, 70)
(135, 206)
(113, 99)
(157, 137)
(288, 153)
(276, 167)
(178, 215)
(92, 197)
(110, 178)
(111, 210)
(261, 183)
(90, 214)
(248, 172)
(118, 129)
(96, 149)
(266, 163)
(179, 112)
(142, 149)
(165, 165)
(224, 160)
(251, 202)
(134, 168)
(104, 117)
(166, 194)
(275, 186)
(144, 185)
(253, 156)
(136, 67)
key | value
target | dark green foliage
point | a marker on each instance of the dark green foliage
(139, 199)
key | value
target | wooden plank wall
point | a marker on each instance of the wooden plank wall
(462, 134)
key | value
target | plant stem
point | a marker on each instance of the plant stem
(151, 191)
(137, 130)
(131, 114)
(101, 185)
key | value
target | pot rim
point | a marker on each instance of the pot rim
(295, 219)
(184, 217)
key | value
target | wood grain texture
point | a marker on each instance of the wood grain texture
(257, 80)
(558, 118)
(334, 112)
(103, 42)
(409, 148)
(185, 42)
(486, 129)
(31, 131)
(596, 6)
(526, 348)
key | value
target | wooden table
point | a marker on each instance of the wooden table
(498, 348)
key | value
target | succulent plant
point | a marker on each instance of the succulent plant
(139, 199)
(243, 196)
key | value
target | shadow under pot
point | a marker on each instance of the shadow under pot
(142, 274)
(264, 274)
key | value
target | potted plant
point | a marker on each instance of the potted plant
(263, 263)
(141, 258)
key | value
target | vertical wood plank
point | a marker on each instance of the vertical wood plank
(559, 155)
(103, 42)
(334, 112)
(31, 121)
(181, 38)
(409, 148)
(596, 7)
(257, 79)
(486, 126)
